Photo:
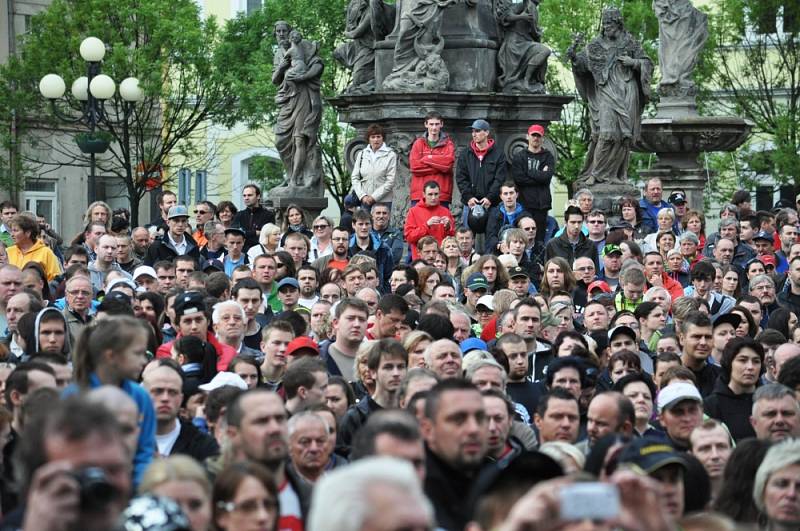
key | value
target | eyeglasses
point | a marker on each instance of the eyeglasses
(201, 211)
(595, 222)
(250, 506)
(77, 292)
(320, 227)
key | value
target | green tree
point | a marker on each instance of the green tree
(166, 45)
(755, 74)
(248, 44)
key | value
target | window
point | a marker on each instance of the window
(40, 196)
(253, 5)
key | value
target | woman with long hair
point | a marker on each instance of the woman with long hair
(747, 326)
(98, 211)
(730, 282)
(558, 276)
(113, 351)
(495, 272)
(428, 278)
(284, 266)
(248, 369)
(415, 344)
(226, 211)
(246, 497)
(784, 321)
(453, 255)
(652, 318)
(295, 221)
(339, 396)
(632, 213)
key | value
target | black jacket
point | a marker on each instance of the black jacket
(450, 491)
(562, 247)
(481, 179)
(496, 224)
(732, 409)
(352, 421)
(194, 443)
(163, 250)
(251, 220)
(707, 378)
(533, 182)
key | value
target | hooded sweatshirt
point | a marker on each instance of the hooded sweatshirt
(34, 341)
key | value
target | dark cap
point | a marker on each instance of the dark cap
(189, 303)
(517, 271)
(733, 319)
(648, 455)
(622, 329)
(477, 281)
(481, 125)
(235, 230)
(764, 235)
(677, 198)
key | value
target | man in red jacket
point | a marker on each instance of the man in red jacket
(428, 218)
(432, 158)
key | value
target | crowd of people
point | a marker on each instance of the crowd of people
(503, 369)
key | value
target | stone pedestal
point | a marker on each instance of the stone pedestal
(690, 180)
(402, 115)
(607, 196)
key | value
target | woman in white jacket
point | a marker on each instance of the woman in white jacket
(374, 169)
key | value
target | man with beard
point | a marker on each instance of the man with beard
(387, 362)
(140, 238)
(339, 258)
(308, 279)
(454, 429)
(257, 431)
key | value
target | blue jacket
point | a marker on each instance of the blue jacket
(147, 422)
(650, 215)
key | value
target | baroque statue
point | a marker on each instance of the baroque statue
(418, 63)
(297, 72)
(612, 73)
(366, 22)
(682, 33)
(522, 58)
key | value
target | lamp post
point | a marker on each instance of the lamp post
(91, 90)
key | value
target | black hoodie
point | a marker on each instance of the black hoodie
(732, 409)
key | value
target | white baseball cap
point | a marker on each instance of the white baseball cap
(144, 271)
(486, 300)
(677, 392)
(225, 378)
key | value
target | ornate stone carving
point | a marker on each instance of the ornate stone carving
(612, 73)
(682, 33)
(367, 22)
(522, 59)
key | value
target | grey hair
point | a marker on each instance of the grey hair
(773, 391)
(218, 307)
(667, 211)
(584, 192)
(649, 294)
(428, 354)
(473, 365)
(781, 455)
(689, 236)
(758, 279)
(339, 502)
(724, 222)
(297, 418)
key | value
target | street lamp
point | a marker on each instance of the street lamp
(92, 90)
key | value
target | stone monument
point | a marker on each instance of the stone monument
(612, 73)
(465, 59)
(678, 134)
(297, 70)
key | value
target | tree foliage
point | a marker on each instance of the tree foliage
(166, 45)
(249, 44)
(755, 74)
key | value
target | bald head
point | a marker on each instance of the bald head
(783, 354)
(444, 358)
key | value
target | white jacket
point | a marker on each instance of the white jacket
(374, 173)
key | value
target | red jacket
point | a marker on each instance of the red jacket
(225, 353)
(672, 286)
(432, 164)
(417, 225)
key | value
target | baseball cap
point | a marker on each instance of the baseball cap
(768, 259)
(121, 281)
(622, 329)
(517, 271)
(234, 230)
(619, 225)
(763, 235)
(732, 319)
(144, 271)
(677, 198)
(677, 392)
(536, 129)
(611, 248)
(213, 265)
(178, 211)
(189, 303)
(477, 281)
(649, 455)
(486, 300)
(221, 379)
(598, 284)
(288, 281)
(300, 343)
(472, 343)
(482, 125)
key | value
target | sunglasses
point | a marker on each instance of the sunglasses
(319, 227)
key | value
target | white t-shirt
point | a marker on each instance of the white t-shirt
(167, 441)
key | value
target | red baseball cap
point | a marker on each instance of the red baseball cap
(598, 284)
(768, 259)
(536, 129)
(299, 343)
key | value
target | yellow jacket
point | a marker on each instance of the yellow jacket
(38, 253)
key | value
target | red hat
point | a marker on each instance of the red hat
(768, 259)
(536, 129)
(598, 284)
(300, 343)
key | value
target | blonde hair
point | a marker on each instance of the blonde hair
(174, 468)
(266, 231)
